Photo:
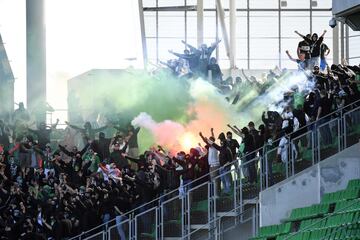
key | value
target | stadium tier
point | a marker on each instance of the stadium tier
(336, 217)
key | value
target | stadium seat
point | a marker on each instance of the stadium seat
(310, 224)
(347, 206)
(321, 221)
(354, 184)
(334, 197)
(309, 212)
(274, 230)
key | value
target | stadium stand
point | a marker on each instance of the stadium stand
(336, 217)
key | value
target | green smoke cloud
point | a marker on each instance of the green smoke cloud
(194, 103)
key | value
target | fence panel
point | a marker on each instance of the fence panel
(121, 229)
(146, 225)
(352, 127)
(328, 138)
(172, 217)
(198, 206)
(302, 156)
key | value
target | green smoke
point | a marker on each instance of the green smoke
(123, 95)
(130, 92)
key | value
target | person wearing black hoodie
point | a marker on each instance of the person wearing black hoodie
(117, 156)
(249, 147)
(101, 146)
(76, 158)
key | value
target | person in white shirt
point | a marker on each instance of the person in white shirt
(110, 171)
(283, 148)
(213, 160)
(293, 122)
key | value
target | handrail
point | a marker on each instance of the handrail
(157, 200)
(169, 193)
(228, 213)
(330, 114)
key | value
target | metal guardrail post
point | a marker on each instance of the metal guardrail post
(161, 221)
(312, 139)
(135, 229)
(257, 217)
(211, 209)
(253, 222)
(345, 132)
(287, 162)
(106, 230)
(292, 157)
(339, 133)
(241, 193)
(188, 214)
(236, 191)
(318, 144)
(183, 214)
(157, 223)
(261, 170)
(266, 170)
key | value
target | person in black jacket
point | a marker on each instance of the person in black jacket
(303, 119)
(87, 132)
(4, 135)
(249, 147)
(117, 156)
(76, 157)
(101, 146)
(43, 133)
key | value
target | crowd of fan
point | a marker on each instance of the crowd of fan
(196, 62)
(56, 193)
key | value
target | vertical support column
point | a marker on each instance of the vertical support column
(142, 30)
(232, 5)
(217, 30)
(221, 16)
(279, 34)
(347, 43)
(342, 39)
(311, 17)
(248, 33)
(36, 59)
(185, 21)
(200, 22)
(335, 49)
(6, 86)
(157, 31)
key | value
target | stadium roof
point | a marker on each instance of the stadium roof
(6, 73)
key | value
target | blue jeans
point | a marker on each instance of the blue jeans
(187, 185)
(314, 61)
(225, 179)
(119, 226)
(323, 64)
(106, 218)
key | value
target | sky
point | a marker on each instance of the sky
(81, 35)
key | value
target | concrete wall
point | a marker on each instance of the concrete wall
(308, 186)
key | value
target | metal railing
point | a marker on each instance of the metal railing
(182, 215)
